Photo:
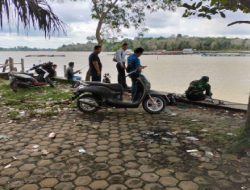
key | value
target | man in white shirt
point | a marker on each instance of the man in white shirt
(120, 59)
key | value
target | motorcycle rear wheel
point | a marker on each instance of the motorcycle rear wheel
(155, 105)
(83, 104)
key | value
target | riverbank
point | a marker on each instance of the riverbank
(182, 148)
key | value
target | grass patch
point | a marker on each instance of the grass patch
(30, 99)
(43, 93)
(14, 115)
(241, 143)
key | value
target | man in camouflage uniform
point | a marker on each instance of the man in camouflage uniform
(196, 89)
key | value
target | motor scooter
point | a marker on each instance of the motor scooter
(24, 80)
(92, 96)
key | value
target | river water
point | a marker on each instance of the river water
(229, 76)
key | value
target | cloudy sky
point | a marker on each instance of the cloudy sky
(80, 25)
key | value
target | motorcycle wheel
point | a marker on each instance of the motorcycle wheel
(155, 105)
(85, 107)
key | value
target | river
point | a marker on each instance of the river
(229, 76)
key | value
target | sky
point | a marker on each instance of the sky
(79, 25)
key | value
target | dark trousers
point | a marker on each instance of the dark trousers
(196, 97)
(95, 77)
(134, 89)
(121, 75)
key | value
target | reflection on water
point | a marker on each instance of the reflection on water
(229, 76)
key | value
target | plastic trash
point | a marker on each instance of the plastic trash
(52, 135)
(44, 152)
(82, 150)
(149, 133)
(194, 120)
(22, 113)
(209, 154)
(8, 166)
(204, 130)
(195, 154)
(186, 131)
(191, 151)
(4, 137)
(35, 146)
(192, 138)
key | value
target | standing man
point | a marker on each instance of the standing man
(95, 64)
(120, 59)
(134, 69)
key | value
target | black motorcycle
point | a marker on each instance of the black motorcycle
(23, 80)
(92, 96)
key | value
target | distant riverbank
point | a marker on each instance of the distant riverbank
(229, 76)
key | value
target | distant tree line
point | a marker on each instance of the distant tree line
(25, 48)
(173, 43)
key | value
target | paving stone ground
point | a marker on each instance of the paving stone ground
(117, 155)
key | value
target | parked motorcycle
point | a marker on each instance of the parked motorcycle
(92, 96)
(24, 80)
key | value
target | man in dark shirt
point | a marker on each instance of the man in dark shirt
(95, 64)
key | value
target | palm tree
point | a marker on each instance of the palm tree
(36, 13)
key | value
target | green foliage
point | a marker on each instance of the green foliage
(113, 15)
(41, 94)
(209, 8)
(31, 13)
(171, 44)
(242, 142)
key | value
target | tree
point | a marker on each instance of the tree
(36, 13)
(116, 14)
(208, 8)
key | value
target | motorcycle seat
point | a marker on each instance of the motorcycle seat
(21, 75)
(114, 87)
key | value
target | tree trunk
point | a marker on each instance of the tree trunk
(98, 32)
(247, 127)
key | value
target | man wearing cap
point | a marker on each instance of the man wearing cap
(199, 89)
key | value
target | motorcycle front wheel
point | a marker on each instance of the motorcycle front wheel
(87, 104)
(154, 104)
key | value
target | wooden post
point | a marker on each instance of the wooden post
(247, 127)
(65, 69)
(5, 65)
(11, 64)
(22, 65)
